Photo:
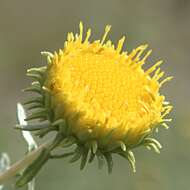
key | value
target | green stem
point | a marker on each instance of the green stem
(21, 164)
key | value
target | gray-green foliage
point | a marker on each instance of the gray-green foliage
(4, 158)
(21, 116)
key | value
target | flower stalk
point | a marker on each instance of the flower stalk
(21, 164)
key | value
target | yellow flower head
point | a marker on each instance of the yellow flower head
(105, 89)
(99, 98)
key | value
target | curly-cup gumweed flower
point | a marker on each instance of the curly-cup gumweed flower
(98, 98)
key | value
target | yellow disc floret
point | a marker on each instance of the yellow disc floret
(98, 89)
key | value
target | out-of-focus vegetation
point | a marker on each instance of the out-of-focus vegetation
(28, 27)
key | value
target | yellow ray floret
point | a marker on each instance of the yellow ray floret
(98, 89)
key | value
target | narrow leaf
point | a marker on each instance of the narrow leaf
(154, 141)
(154, 147)
(33, 127)
(109, 161)
(21, 116)
(84, 158)
(94, 146)
(131, 159)
(40, 70)
(77, 155)
(58, 122)
(42, 113)
(122, 145)
(61, 155)
(31, 171)
(34, 100)
(92, 156)
(33, 88)
(100, 158)
(35, 76)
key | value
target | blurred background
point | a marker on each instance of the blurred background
(28, 27)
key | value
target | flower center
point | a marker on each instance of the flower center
(105, 86)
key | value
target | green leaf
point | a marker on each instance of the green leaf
(92, 156)
(109, 160)
(122, 145)
(58, 122)
(48, 55)
(100, 158)
(61, 155)
(84, 158)
(144, 135)
(35, 87)
(47, 98)
(130, 157)
(42, 113)
(42, 132)
(34, 100)
(33, 127)
(93, 145)
(40, 70)
(154, 141)
(31, 184)
(154, 147)
(21, 116)
(31, 171)
(77, 155)
(35, 106)
(36, 76)
(68, 141)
